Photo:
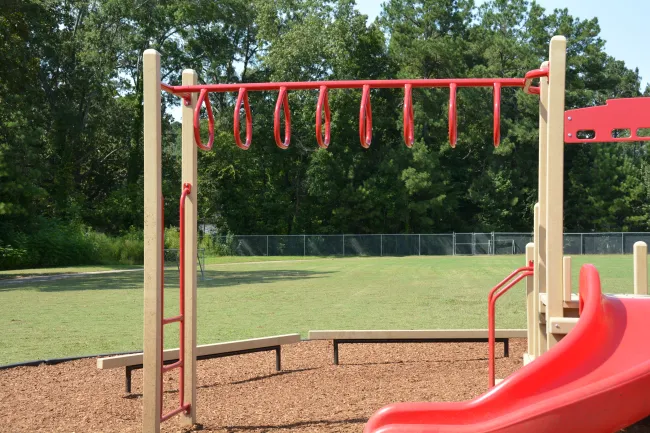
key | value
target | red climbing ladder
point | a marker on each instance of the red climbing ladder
(180, 318)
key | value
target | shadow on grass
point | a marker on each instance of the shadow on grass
(213, 279)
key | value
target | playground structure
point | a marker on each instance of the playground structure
(600, 370)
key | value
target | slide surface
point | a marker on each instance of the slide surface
(597, 379)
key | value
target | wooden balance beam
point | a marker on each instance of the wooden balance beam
(417, 336)
(133, 361)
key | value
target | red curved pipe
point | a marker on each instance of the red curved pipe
(243, 97)
(453, 119)
(530, 76)
(496, 135)
(365, 118)
(408, 115)
(283, 100)
(496, 292)
(203, 98)
(323, 101)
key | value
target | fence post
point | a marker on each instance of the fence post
(343, 245)
(419, 244)
(267, 245)
(304, 245)
(622, 243)
(640, 268)
(453, 242)
(381, 245)
(582, 248)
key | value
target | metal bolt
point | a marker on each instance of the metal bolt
(570, 135)
(557, 326)
(570, 118)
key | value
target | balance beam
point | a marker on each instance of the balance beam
(416, 336)
(133, 361)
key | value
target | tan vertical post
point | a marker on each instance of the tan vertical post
(555, 184)
(189, 175)
(566, 278)
(540, 226)
(152, 361)
(640, 268)
(530, 301)
(538, 332)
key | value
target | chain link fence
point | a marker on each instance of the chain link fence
(416, 244)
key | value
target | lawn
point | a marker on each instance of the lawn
(103, 312)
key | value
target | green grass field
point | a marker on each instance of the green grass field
(103, 313)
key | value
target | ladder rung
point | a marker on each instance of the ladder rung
(178, 318)
(184, 408)
(166, 368)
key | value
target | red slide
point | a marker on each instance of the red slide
(597, 379)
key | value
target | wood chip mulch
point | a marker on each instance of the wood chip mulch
(245, 394)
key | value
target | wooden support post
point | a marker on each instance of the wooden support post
(566, 278)
(540, 226)
(536, 333)
(152, 390)
(530, 300)
(640, 268)
(189, 175)
(555, 184)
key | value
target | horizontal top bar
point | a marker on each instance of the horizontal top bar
(347, 84)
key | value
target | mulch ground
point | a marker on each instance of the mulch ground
(245, 393)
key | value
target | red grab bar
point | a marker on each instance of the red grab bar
(496, 134)
(408, 115)
(453, 119)
(496, 292)
(243, 97)
(283, 101)
(180, 364)
(203, 98)
(365, 118)
(323, 101)
(530, 76)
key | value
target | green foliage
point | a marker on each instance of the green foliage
(71, 145)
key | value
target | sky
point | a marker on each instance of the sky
(622, 25)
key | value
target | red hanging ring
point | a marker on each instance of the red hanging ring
(203, 98)
(365, 118)
(408, 115)
(322, 99)
(497, 114)
(243, 96)
(453, 119)
(282, 100)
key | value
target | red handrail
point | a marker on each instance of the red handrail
(180, 364)
(365, 115)
(323, 101)
(283, 101)
(496, 292)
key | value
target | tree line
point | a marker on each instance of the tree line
(71, 151)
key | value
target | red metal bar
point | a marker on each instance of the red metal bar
(496, 135)
(323, 101)
(409, 137)
(365, 118)
(530, 76)
(605, 123)
(283, 101)
(184, 408)
(172, 319)
(453, 120)
(348, 84)
(243, 97)
(203, 98)
(496, 292)
(169, 367)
